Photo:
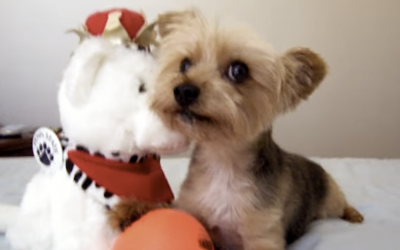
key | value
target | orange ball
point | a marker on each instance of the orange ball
(164, 229)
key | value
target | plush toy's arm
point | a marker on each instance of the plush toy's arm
(31, 229)
(8, 214)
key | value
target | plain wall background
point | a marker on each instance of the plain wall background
(355, 112)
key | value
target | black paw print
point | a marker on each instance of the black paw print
(45, 155)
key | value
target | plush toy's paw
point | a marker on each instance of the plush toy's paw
(127, 211)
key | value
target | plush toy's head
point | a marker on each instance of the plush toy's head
(103, 97)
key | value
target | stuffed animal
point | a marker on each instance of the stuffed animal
(112, 141)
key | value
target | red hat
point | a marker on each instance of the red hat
(131, 21)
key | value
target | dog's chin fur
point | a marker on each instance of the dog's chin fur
(103, 101)
(240, 183)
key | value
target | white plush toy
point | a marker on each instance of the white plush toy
(112, 136)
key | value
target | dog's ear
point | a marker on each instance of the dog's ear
(80, 76)
(303, 70)
(148, 36)
(169, 22)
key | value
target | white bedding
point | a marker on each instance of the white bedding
(371, 185)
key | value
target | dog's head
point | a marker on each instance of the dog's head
(216, 83)
(103, 101)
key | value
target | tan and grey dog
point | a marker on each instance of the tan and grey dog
(223, 88)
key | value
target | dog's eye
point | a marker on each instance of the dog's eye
(142, 88)
(237, 72)
(185, 65)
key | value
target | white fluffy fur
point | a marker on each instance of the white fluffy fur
(56, 214)
(102, 109)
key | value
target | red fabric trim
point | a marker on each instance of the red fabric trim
(131, 20)
(144, 181)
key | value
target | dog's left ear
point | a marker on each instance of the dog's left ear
(303, 70)
(172, 21)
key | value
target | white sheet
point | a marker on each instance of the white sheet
(371, 185)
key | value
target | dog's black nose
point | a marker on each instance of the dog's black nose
(186, 94)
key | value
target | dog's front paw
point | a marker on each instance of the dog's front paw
(128, 211)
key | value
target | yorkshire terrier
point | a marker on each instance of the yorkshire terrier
(223, 88)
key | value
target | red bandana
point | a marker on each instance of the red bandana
(144, 181)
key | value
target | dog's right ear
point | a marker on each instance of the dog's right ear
(80, 75)
(172, 21)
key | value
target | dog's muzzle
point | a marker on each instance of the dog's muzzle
(186, 94)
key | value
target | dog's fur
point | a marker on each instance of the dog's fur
(248, 191)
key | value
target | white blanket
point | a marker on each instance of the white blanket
(371, 185)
